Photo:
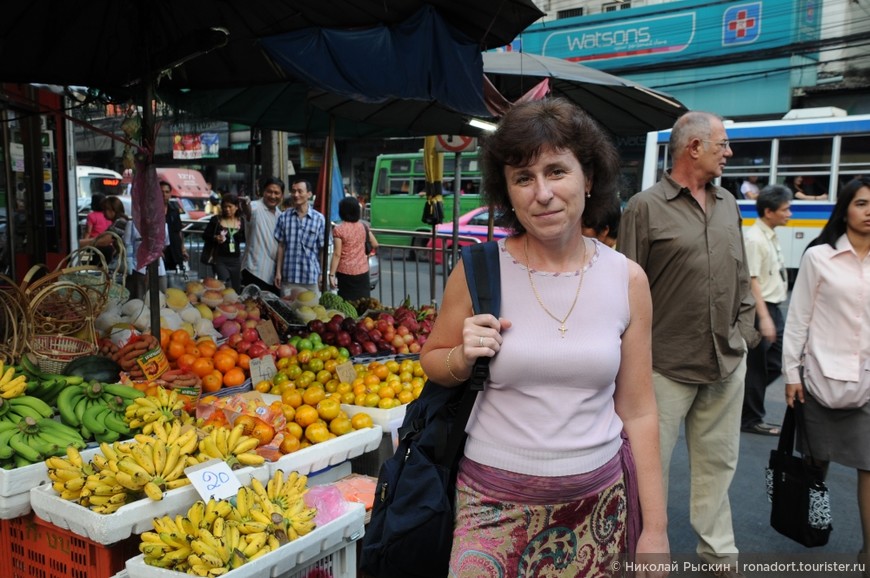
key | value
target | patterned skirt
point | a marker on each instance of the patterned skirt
(496, 537)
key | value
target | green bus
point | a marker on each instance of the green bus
(399, 192)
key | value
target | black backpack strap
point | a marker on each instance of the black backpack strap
(481, 262)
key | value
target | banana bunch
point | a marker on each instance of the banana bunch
(17, 408)
(97, 409)
(152, 465)
(68, 474)
(103, 493)
(32, 440)
(13, 382)
(165, 407)
(45, 386)
(232, 446)
(284, 496)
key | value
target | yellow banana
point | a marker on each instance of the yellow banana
(259, 517)
(153, 491)
(158, 456)
(74, 457)
(177, 483)
(143, 458)
(108, 451)
(196, 512)
(112, 499)
(173, 456)
(235, 436)
(208, 446)
(251, 459)
(13, 390)
(174, 539)
(160, 432)
(7, 372)
(74, 484)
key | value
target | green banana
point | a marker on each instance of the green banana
(6, 425)
(66, 404)
(34, 403)
(5, 449)
(54, 430)
(94, 418)
(29, 367)
(44, 446)
(25, 410)
(4, 407)
(108, 436)
(19, 444)
(81, 405)
(116, 422)
(121, 390)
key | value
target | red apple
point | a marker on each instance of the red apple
(234, 340)
(257, 350)
(285, 350)
(250, 335)
(402, 330)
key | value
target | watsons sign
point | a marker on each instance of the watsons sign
(626, 39)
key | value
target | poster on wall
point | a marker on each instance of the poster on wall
(195, 146)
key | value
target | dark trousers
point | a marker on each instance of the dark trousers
(763, 366)
(249, 278)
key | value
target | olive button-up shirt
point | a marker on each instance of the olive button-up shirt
(703, 310)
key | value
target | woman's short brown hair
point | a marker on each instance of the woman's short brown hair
(555, 123)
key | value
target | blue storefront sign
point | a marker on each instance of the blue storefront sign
(675, 31)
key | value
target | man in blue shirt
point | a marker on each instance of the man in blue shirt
(300, 235)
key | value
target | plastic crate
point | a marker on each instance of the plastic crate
(32, 548)
(340, 563)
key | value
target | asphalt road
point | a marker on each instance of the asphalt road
(757, 541)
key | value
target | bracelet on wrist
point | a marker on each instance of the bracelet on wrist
(449, 369)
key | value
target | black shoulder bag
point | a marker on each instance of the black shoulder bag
(410, 534)
(368, 243)
(800, 504)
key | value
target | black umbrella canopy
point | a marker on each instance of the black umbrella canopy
(207, 43)
(620, 105)
(623, 107)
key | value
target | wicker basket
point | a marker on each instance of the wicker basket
(54, 352)
(14, 322)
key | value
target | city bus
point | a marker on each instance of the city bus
(828, 151)
(399, 192)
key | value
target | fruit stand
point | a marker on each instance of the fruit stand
(107, 448)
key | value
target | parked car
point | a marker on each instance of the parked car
(474, 223)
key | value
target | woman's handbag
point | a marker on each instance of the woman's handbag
(800, 504)
(368, 245)
(410, 534)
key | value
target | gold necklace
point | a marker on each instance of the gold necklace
(562, 329)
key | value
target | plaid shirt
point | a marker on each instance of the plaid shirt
(302, 239)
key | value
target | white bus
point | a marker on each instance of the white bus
(827, 152)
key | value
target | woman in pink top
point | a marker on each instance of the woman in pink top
(827, 330)
(562, 457)
(349, 270)
(97, 221)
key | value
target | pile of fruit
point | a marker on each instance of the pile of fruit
(216, 537)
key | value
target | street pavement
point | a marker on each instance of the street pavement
(763, 551)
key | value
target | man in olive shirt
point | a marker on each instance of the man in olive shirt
(686, 234)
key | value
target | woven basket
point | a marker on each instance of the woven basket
(54, 352)
(14, 322)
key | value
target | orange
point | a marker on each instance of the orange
(371, 379)
(232, 352)
(212, 382)
(185, 361)
(328, 409)
(292, 397)
(361, 420)
(234, 377)
(244, 361)
(293, 429)
(313, 395)
(340, 426)
(165, 335)
(223, 362)
(264, 386)
(175, 350)
(180, 335)
(288, 411)
(289, 444)
(202, 366)
(263, 432)
(207, 348)
(317, 433)
(305, 415)
(191, 348)
(380, 370)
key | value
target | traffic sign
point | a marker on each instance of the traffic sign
(452, 143)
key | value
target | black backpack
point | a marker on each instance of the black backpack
(410, 534)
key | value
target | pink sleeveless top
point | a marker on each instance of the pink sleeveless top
(548, 408)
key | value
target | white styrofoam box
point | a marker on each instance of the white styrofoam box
(14, 506)
(133, 518)
(319, 456)
(388, 419)
(337, 534)
(21, 480)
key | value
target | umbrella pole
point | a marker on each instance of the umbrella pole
(457, 198)
(327, 206)
(153, 266)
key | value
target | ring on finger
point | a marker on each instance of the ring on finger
(480, 342)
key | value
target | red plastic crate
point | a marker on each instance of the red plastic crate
(33, 548)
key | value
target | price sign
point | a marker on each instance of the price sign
(345, 372)
(267, 332)
(262, 368)
(213, 479)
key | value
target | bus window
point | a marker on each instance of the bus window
(854, 158)
(805, 155)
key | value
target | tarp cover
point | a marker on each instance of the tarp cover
(407, 61)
